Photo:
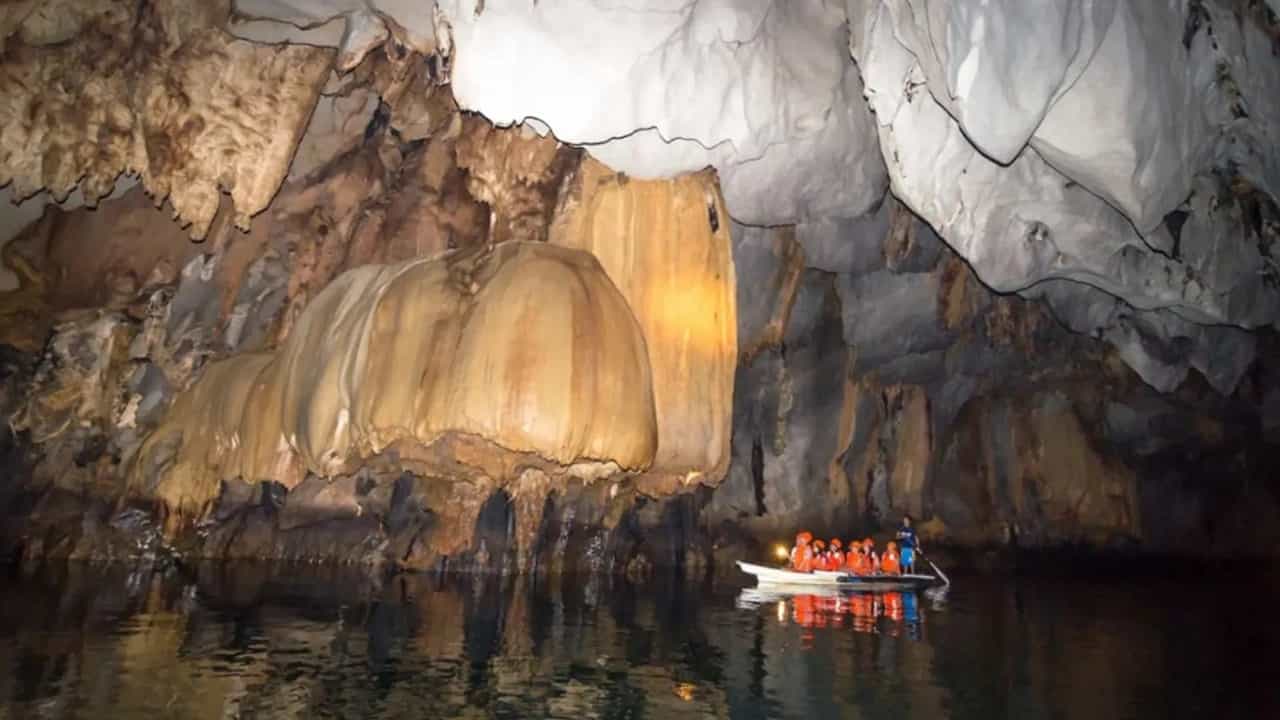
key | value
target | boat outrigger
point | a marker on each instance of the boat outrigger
(835, 579)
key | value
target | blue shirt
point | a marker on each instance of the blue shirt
(908, 537)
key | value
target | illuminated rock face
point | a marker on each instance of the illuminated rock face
(271, 449)
(666, 246)
(1108, 159)
(443, 341)
(532, 349)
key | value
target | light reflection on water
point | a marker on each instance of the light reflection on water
(265, 642)
(891, 613)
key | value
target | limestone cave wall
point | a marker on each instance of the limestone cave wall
(288, 296)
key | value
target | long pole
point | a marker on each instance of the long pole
(936, 569)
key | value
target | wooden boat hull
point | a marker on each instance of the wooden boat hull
(838, 580)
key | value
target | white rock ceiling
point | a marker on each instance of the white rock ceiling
(1047, 142)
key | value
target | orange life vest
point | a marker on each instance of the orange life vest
(861, 564)
(806, 560)
(889, 564)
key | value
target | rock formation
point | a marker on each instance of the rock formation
(532, 350)
(579, 286)
(159, 91)
(665, 245)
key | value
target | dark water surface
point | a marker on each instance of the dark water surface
(266, 642)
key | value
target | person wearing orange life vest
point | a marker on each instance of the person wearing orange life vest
(873, 560)
(835, 556)
(802, 553)
(851, 558)
(864, 563)
(889, 564)
(819, 555)
(858, 563)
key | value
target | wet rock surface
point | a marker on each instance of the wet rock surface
(444, 344)
(979, 414)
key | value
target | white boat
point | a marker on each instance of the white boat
(830, 579)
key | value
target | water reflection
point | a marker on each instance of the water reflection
(270, 642)
(890, 613)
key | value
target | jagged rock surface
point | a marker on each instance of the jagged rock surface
(194, 382)
(761, 91)
(988, 116)
(992, 134)
(979, 414)
(984, 114)
(160, 92)
(836, 371)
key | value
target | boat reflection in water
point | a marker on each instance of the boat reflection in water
(295, 643)
(889, 613)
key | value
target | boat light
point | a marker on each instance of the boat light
(780, 551)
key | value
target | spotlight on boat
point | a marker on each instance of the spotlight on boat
(780, 551)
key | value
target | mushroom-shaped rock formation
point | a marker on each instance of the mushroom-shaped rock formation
(530, 347)
(978, 247)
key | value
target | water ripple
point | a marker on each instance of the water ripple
(271, 647)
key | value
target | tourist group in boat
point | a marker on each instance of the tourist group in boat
(861, 557)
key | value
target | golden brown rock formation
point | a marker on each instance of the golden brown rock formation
(1058, 474)
(902, 453)
(1030, 471)
(666, 245)
(516, 173)
(385, 201)
(156, 89)
(429, 211)
(134, 247)
(530, 348)
(25, 314)
(412, 88)
(914, 450)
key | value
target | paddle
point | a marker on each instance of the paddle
(935, 567)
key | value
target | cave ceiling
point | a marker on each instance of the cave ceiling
(1114, 160)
